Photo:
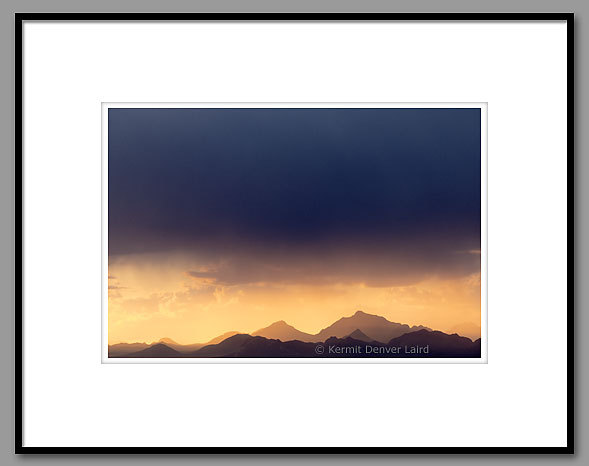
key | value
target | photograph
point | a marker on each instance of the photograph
(321, 232)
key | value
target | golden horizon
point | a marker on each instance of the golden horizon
(148, 302)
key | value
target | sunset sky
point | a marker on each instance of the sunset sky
(231, 219)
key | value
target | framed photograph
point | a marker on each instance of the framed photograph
(295, 218)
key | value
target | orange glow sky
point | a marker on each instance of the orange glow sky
(154, 297)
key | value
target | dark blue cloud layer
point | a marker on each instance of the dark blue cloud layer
(247, 182)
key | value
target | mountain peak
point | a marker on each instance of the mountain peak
(360, 335)
(167, 340)
(375, 327)
(366, 316)
(282, 331)
(280, 323)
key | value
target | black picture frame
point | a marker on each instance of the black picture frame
(19, 337)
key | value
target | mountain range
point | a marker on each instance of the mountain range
(360, 335)
(121, 350)
(375, 328)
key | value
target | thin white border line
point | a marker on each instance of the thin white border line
(484, 232)
(104, 235)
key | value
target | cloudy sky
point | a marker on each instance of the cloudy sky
(231, 219)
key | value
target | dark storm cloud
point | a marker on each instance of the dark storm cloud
(372, 268)
(298, 192)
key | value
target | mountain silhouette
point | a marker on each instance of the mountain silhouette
(248, 346)
(418, 344)
(120, 349)
(467, 329)
(360, 336)
(373, 327)
(167, 341)
(220, 338)
(158, 350)
(178, 347)
(282, 331)
(227, 346)
(124, 350)
(377, 328)
(440, 344)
